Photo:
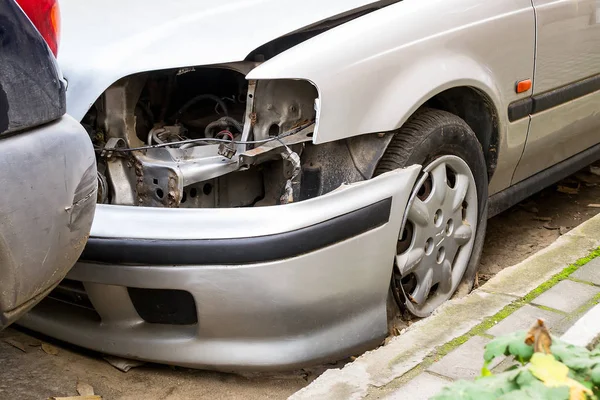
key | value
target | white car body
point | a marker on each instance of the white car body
(371, 66)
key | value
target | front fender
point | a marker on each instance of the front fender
(374, 72)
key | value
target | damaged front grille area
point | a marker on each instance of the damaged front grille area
(201, 137)
(154, 306)
(72, 292)
(164, 306)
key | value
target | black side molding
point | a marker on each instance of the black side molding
(545, 101)
(509, 197)
(240, 250)
(520, 109)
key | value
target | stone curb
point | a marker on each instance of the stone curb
(586, 330)
(379, 367)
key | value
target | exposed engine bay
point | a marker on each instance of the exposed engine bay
(207, 137)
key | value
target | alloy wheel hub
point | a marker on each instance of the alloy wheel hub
(435, 245)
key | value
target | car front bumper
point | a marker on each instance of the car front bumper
(48, 176)
(271, 287)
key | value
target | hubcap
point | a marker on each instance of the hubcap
(435, 245)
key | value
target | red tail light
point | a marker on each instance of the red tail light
(45, 15)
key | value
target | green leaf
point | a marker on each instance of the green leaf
(537, 391)
(525, 378)
(465, 390)
(574, 357)
(512, 344)
(546, 368)
(556, 374)
(485, 371)
(595, 375)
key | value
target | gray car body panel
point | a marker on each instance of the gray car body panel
(321, 305)
(49, 180)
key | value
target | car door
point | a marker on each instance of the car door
(565, 107)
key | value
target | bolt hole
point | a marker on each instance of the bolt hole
(450, 177)
(193, 192)
(425, 189)
(274, 130)
(405, 239)
(249, 96)
(159, 193)
(438, 217)
(441, 255)
(155, 181)
(449, 227)
(409, 283)
(207, 189)
(429, 246)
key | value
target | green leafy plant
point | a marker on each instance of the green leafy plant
(558, 372)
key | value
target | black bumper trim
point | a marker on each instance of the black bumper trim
(240, 250)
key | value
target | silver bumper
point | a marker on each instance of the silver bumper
(48, 176)
(271, 288)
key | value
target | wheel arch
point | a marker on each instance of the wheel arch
(477, 109)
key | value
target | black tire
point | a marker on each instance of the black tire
(430, 134)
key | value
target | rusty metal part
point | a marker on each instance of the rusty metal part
(111, 144)
(102, 195)
(249, 114)
(291, 170)
(282, 104)
(227, 150)
(272, 149)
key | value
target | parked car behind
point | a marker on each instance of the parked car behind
(47, 166)
(274, 173)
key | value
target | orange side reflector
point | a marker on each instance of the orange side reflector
(523, 86)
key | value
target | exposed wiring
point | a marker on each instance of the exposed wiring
(212, 140)
(198, 98)
(153, 134)
(225, 133)
(222, 123)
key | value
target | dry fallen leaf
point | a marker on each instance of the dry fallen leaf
(539, 337)
(594, 205)
(15, 343)
(595, 170)
(544, 219)
(551, 228)
(84, 389)
(34, 342)
(49, 349)
(567, 189)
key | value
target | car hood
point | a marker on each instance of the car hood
(105, 40)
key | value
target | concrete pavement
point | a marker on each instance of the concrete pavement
(558, 284)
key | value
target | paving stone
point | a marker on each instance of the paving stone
(567, 296)
(523, 319)
(586, 330)
(464, 362)
(524, 277)
(589, 272)
(422, 387)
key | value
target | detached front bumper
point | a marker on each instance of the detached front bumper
(254, 288)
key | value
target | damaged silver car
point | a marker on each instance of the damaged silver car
(278, 179)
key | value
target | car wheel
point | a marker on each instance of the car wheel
(441, 239)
